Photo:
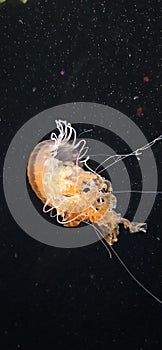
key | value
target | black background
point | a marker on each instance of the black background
(79, 298)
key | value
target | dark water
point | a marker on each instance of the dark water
(110, 52)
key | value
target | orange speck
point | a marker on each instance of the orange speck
(62, 72)
(146, 79)
(139, 112)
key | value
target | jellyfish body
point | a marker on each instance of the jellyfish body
(57, 177)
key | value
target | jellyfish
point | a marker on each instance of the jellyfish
(56, 174)
(60, 176)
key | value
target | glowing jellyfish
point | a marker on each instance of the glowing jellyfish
(56, 174)
(57, 177)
